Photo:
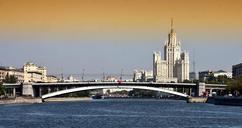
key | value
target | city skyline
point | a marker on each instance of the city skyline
(68, 36)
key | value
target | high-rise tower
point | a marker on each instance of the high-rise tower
(175, 66)
(172, 51)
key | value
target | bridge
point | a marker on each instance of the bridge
(47, 90)
(111, 87)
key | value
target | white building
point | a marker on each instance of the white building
(71, 79)
(143, 76)
(175, 65)
(138, 75)
(29, 73)
(33, 73)
(222, 73)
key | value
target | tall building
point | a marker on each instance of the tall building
(237, 70)
(175, 65)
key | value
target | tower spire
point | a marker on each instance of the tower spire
(172, 29)
(171, 23)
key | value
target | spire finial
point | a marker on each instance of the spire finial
(171, 23)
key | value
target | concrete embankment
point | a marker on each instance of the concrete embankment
(197, 100)
(233, 101)
(21, 100)
(64, 99)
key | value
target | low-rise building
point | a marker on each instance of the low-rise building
(222, 73)
(52, 79)
(18, 73)
(143, 76)
(237, 70)
(71, 79)
(203, 75)
(111, 78)
(138, 75)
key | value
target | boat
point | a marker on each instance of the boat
(97, 96)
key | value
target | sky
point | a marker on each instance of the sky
(113, 35)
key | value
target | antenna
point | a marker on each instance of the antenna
(194, 63)
(62, 76)
(121, 75)
(103, 76)
(83, 70)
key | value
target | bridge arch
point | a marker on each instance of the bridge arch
(111, 87)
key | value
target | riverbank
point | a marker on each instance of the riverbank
(232, 101)
(66, 99)
(21, 100)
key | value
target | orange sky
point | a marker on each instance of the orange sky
(119, 16)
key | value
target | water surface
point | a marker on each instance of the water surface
(116, 113)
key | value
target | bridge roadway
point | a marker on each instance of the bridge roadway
(152, 84)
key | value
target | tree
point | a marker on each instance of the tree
(2, 89)
(235, 85)
(221, 79)
(10, 79)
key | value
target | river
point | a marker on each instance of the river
(140, 113)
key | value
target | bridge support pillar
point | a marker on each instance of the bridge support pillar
(14, 92)
(28, 90)
(211, 92)
(40, 91)
(200, 89)
(49, 90)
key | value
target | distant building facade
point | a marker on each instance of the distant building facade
(34, 73)
(192, 76)
(175, 65)
(138, 75)
(237, 70)
(29, 73)
(71, 79)
(52, 79)
(143, 76)
(204, 75)
(222, 73)
(18, 73)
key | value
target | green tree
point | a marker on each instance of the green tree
(10, 79)
(2, 89)
(222, 79)
(235, 85)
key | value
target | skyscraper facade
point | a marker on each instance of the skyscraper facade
(175, 65)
